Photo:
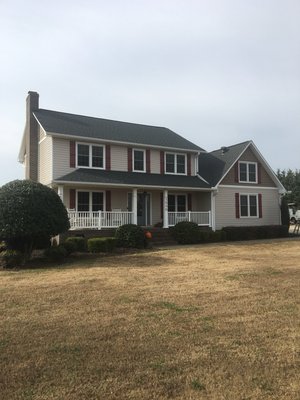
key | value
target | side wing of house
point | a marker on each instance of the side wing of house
(249, 193)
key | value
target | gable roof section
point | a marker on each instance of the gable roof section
(215, 165)
(83, 127)
(122, 178)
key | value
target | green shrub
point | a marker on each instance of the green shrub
(255, 232)
(130, 235)
(79, 242)
(70, 247)
(11, 258)
(56, 253)
(101, 245)
(3, 246)
(186, 232)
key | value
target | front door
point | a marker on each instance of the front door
(143, 208)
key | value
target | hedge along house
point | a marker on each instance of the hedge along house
(109, 173)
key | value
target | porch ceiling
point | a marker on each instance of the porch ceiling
(121, 178)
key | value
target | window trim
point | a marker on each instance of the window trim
(144, 160)
(247, 171)
(91, 145)
(90, 199)
(248, 205)
(175, 163)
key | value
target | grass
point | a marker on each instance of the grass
(195, 322)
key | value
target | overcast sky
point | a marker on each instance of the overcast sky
(218, 72)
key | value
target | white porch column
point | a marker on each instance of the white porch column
(60, 192)
(213, 210)
(165, 210)
(134, 206)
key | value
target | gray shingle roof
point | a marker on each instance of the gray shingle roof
(85, 175)
(99, 128)
(214, 165)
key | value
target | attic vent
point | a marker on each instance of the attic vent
(224, 150)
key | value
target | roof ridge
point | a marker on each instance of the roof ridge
(233, 145)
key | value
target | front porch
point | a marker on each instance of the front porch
(113, 219)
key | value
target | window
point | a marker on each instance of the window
(249, 205)
(90, 156)
(90, 201)
(248, 172)
(139, 160)
(177, 203)
(175, 163)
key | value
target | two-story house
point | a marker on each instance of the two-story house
(109, 173)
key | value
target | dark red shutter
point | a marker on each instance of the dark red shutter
(162, 162)
(148, 162)
(260, 205)
(107, 157)
(189, 166)
(72, 153)
(72, 199)
(108, 200)
(161, 205)
(189, 201)
(129, 159)
(236, 172)
(258, 173)
(237, 205)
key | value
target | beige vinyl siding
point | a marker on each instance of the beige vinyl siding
(119, 199)
(193, 170)
(61, 157)
(119, 155)
(201, 201)
(42, 133)
(45, 161)
(225, 207)
(155, 161)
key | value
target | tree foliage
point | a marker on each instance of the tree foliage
(291, 181)
(28, 212)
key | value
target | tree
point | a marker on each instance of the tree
(285, 215)
(30, 211)
(291, 181)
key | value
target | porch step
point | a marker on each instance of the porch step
(161, 237)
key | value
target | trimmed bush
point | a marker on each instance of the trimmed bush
(3, 246)
(56, 253)
(78, 241)
(11, 258)
(101, 245)
(130, 235)
(255, 232)
(70, 247)
(211, 236)
(186, 232)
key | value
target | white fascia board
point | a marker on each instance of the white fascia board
(91, 139)
(257, 187)
(116, 185)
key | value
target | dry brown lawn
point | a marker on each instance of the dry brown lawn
(197, 322)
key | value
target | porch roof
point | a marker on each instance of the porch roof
(122, 178)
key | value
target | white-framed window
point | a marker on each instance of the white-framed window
(139, 160)
(247, 172)
(89, 201)
(175, 163)
(177, 203)
(90, 155)
(249, 205)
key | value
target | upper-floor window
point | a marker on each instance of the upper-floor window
(248, 172)
(90, 156)
(175, 163)
(139, 160)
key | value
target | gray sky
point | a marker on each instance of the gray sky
(218, 72)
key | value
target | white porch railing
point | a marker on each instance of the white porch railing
(99, 219)
(201, 218)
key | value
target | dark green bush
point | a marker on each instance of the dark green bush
(186, 232)
(101, 245)
(79, 242)
(255, 232)
(69, 246)
(2, 246)
(11, 258)
(130, 235)
(285, 213)
(56, 253)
